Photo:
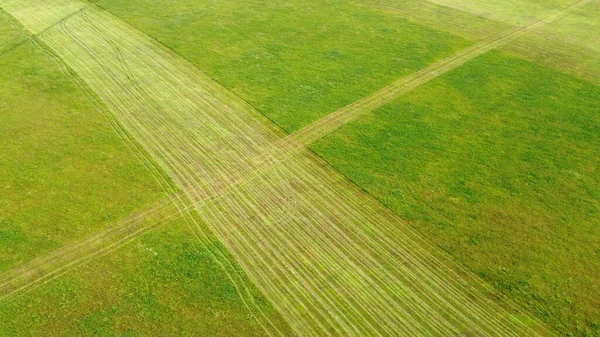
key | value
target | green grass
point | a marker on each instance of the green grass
(64, 172)
(569, 44)
(295, 61)
(10, 35)
(496, 162)
(511, 11)
(164, 283)
(448, 19)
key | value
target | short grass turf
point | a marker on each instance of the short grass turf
(511, 11)
(297, 60)
(570, 44)
(10, 35)
(496, 162)
(64, 171)
(165, 283)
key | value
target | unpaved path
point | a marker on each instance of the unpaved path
(330, 258)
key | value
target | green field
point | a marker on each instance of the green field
(293, 61)
(499, 168)
(546, 287)
(64, 171)
(176, 168)
(569, 44)
(66, 174)
(10, 35)
(165, 283)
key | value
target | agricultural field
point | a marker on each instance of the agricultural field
(299, 168)
(65, 172)
(11, 36)
(165, 283)
(470, 163)
(569, 44)
(292, 61)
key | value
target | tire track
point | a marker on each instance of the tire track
(330, 258)
(53, 265)
(40, 270)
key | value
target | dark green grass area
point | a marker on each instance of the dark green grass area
(569, 44)
(498, 163)
(295, 61)
(164, 283)
(64, 171)
(448, 19)
(10, 35)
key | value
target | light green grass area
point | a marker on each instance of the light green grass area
(581, 27)
(455, 21)
(511, 11)
(295, 61)
(165, 283)
(497, 162)
(64, 171)
(570, 44)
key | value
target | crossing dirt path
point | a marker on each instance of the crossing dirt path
(330, 258)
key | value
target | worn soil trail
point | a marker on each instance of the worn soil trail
(330, 258)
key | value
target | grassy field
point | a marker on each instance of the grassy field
(326, 255)
(570, 44)
(165, 283)
(64, 171)
(497, 163)
(293, 61)
(494, 162)
(66, 174)
(10, 35)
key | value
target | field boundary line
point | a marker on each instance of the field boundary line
(337, 119)
(47, 267)
(27, 277)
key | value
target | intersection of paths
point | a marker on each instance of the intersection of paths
(330, 259)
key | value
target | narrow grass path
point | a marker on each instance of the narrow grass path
(337, 119)
(570, 45)
(45, 268)
(330, 258)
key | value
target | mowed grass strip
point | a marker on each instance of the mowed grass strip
(571, 44)
(295, 61)
(64, 172)
(165, 283)
(28, 276)
(497, 163)
(332, 235)
(385, 95)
